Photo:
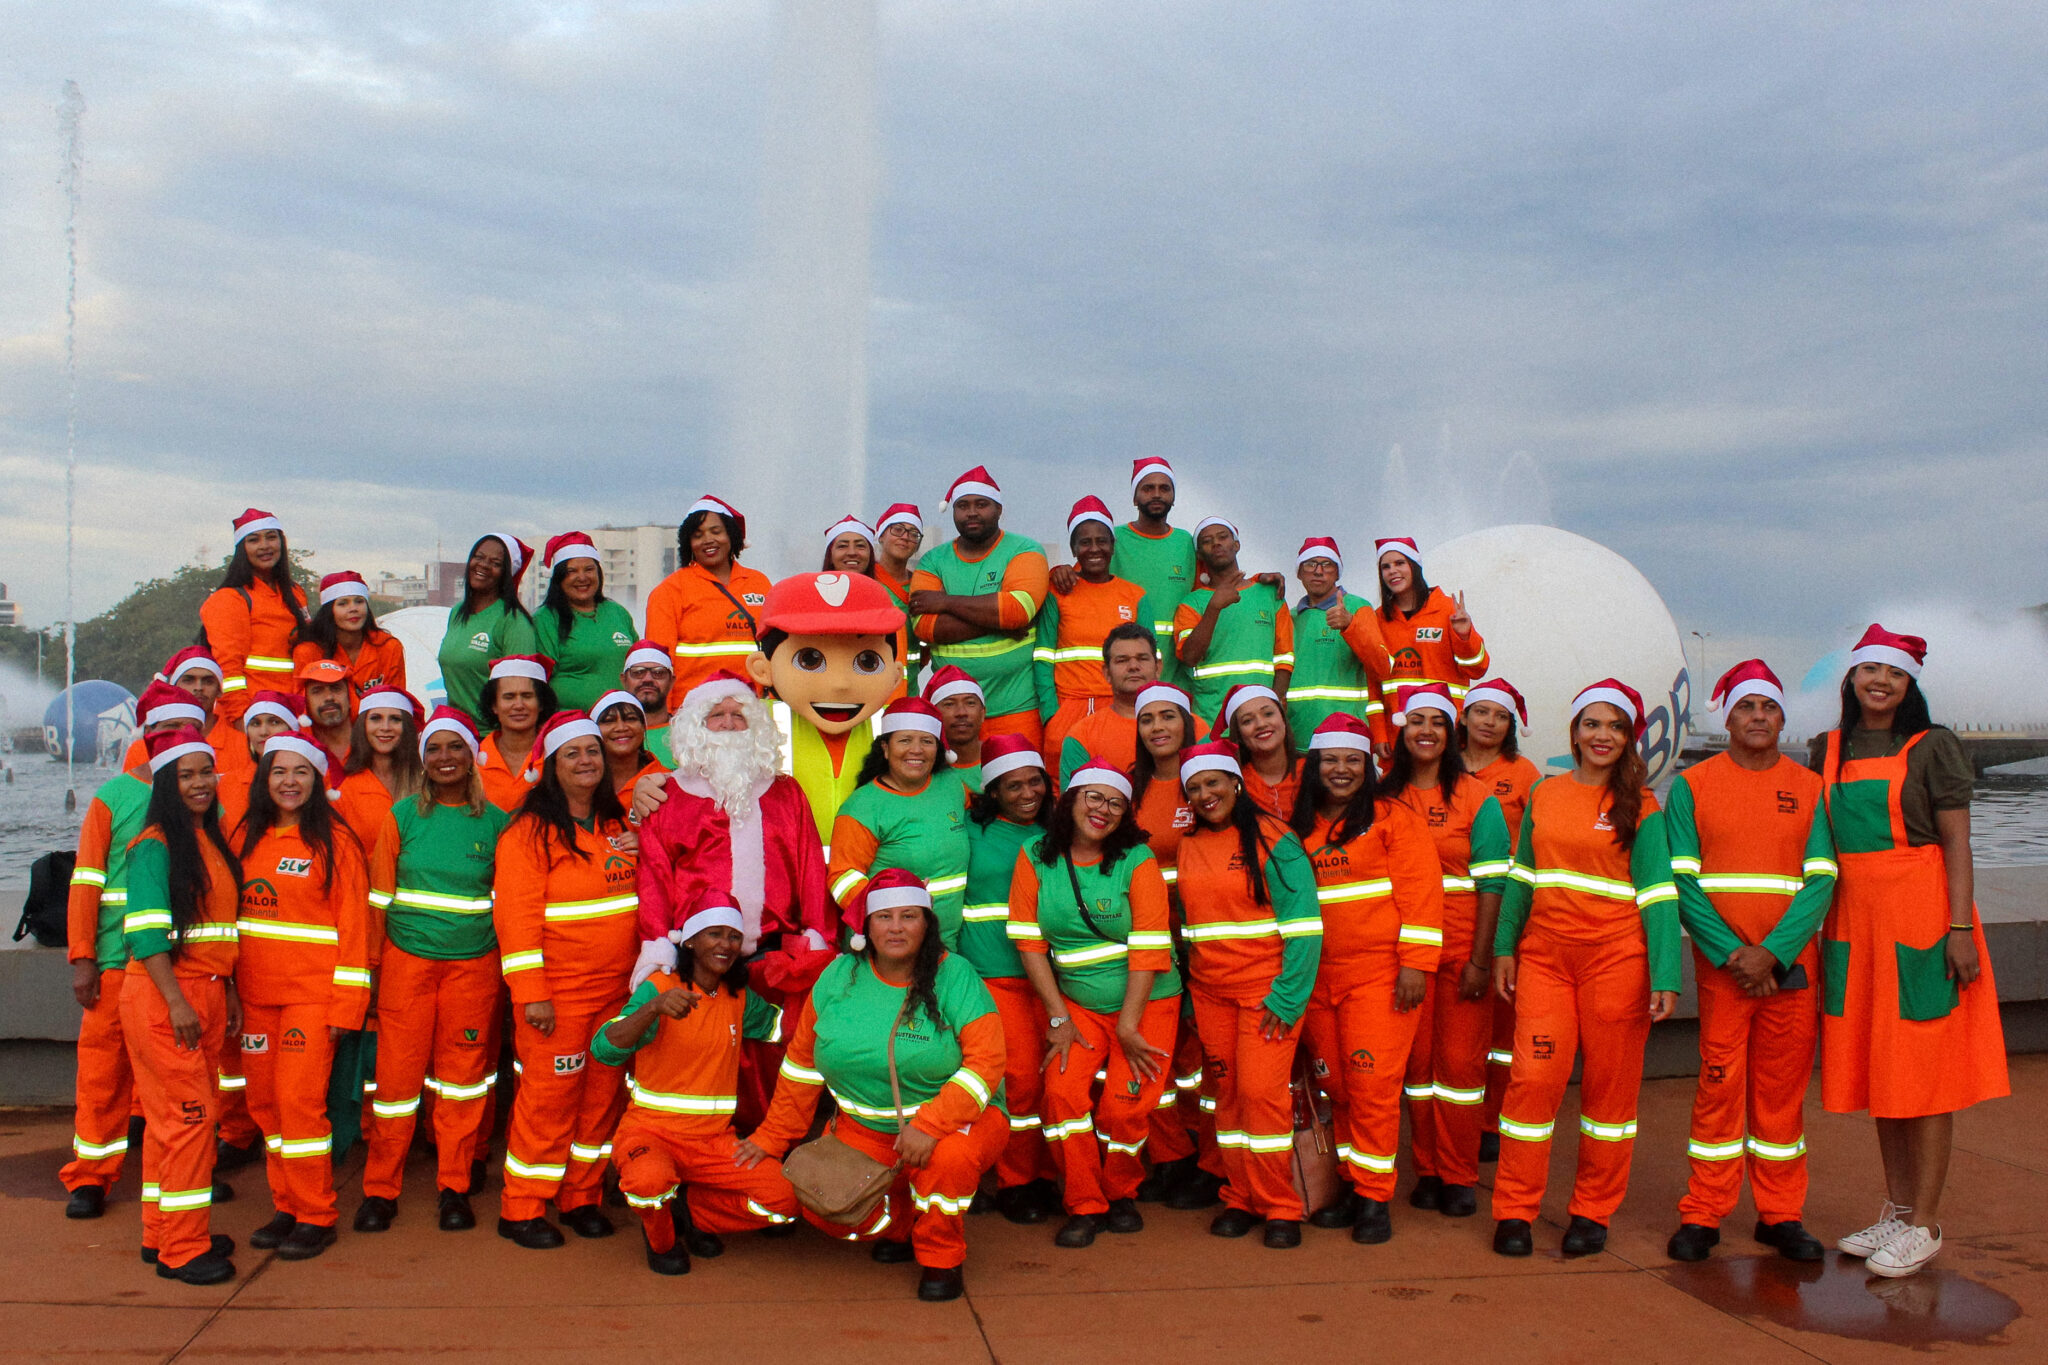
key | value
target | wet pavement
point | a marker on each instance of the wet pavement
(1172, 1292)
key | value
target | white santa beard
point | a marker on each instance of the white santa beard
(747, 834)
(735, 766)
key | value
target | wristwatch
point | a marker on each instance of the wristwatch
(1055, 1021)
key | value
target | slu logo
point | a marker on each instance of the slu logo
(570, 1065)
(294, 867)
(1433, 634)
(256, 1042)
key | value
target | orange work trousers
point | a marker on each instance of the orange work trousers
(1574, 998)
(930, 1201)
(288, 1058)
(1500, 1060)
(431, 1013)
(1249, 1076)
(180, 1105)
(1756, 1058)
(237, 1126)
(1446, 1084)
(1025, 723)
(655, 1159)
(1184, 1122)
(1024, 1158)
(563, 1116)
(1362, 1046)
(106, 1093)
(1100, 1148)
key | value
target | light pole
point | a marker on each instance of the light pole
(1705, 676)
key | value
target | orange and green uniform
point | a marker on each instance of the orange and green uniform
(1252, 642)
(1755, 866)
(1067, 662)
(1118, 924)
(950, 1071)
(985, 942)
(249, 633)
(362, 805)
(470, 644)
(1246, 960)
(1423, 648)
(1595, 929)
(677, 1130)
(1165, 816)
(1383, 909)
(924, 832)
(1014, 571)
(178, 1087)
(590, 658)
(304, 968)
(1446, 1082)
(568, 929)
(706, 624)
(1163, 566)
(1335, 670)
(1109, 738)
(1509, 779)
(1274, 798)
(1899, 1036)
(379, 661)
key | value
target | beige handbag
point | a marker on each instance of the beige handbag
(1318, 1177)
(836, 1182)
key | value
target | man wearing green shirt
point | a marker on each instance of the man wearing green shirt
(1235, 631)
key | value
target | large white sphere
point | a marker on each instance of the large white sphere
(419, 630)
(1559, 611)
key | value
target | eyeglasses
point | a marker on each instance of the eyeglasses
(1104, 801)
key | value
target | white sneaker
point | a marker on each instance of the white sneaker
(1873, 1238)
(1905, 1254)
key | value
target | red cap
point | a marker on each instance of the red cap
(1881, 646)
(451, 720)
(1088, 509)
(910, 713)
(518, 554)
(905, 512)
(387, 698)
(558, 730)
(1501, 693)
(253, 520)
(1342, 730)
(647, 652)
(976, 482)
(1238, 696)
(708, 503)
(1750, 678)
(162, 701)
(1405, 545)
(889, 889)
(342, 583)
(1211, 756)
(538, 667)
(187, 659)
(1616, 694)
(285, 706)
(1001, 754)
(321, 671)
(166, 747)
(723, 683)
(1150, 464)
(1430, 696)
(950, 681)
(1320, 547)
(1096, 773)
(567, 546)
(830, 604)
(850, 525)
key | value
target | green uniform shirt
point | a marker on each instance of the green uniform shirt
(1164, 566)
(447, 859)
(1328, 678)
(470, 645)
(1241, 648)
(1091, 967)
(147, 925)
(126, 799)
(1804, 909)
(925, 834)
(985, 917)
(589, 662)
(1000, 663)
(970, 773)
(856, 1010)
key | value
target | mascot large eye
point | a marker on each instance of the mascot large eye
(810, 660)
(867, 661)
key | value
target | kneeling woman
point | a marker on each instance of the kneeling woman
(1588, 950)
(900, 998)
(568, 927)
(682, 1031)
(304, 973)
(1088, 895)
(1383, 912)
(1248, 899)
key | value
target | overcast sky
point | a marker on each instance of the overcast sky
(1759, 290)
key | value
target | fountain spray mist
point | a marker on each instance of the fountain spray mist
(70, 116)
(798, 437)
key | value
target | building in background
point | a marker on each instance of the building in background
(635, 558)
(10, 610)
(438, 584)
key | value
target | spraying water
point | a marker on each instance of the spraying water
(70, 115)
(1447, 493)
(800, 410)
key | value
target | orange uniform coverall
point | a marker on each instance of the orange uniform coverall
(379, 661)
(704, 624)
(1276, 799)
(504, 786)
(677, 1130)
(1163, 813)
(230, 753)
(304, 968)
(1382, 904)
(1509, 780)
(568, 931)
(249, 633)
(1424, 649)
(106, 1080)
(362, 805)
(179, 1087)
(1068, 660)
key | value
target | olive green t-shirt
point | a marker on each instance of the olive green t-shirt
(1938, 774)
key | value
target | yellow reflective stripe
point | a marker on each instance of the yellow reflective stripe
(1607, 1132)
(1125, 1148)
(1491, 869)
(721, 649)
(1499, 1057)
(1713, 1151)
(802, 1074)
(1170, 874)
(1422, 1090)
(88, 876)
(395, 1109)
(1451, 1094)
(414, 899)
(1686, 864)
(299, 1147)
(685, 1104)
(97, 1151)
(113, 897)
(1060, 1132)
(183, 1201)
(1330, 692)
(655, 1201)
(925, 1203)
(579, 1151)
(972, 1084)
(527, 960)
(763, 1211)
(1024, 600)
(1253, 928)
(1579, 881)
(1454, 884)
(986, 649)
(846, 882)
(209, 933)
(1655, 893)
(592, 909)
(139, 921)
(1256, 1142)
(1086, 957)
(1778, 1151)
(1820, 867)
(940, 886)
(381, 899)
(863, 1111)
(448, 1090)
(1754, 883)
(1142, 941)
(1301, 928)
(292, 933)
(1473, 662)
(1262, 667)
(1023, 1123)
(352, 976)
(1024, 931)
(1284, 660)
(983, 914)
(1377, 1162)
(1073, 654)
(227, 1082)
(1422, 934)
(1168, 1098)
(534, 1170)
(1526, 1132)
(1353, 891)
(235, 683)
(150, 1191)
(266, 663)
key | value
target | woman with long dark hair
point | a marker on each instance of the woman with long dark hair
(909, 812)
(179, 1003)
(1429, 635)
(1248, 904)
(587, 634)
(622, 722)
(344, 628)
(567, 917)
(1166, 727)
(1910, 1028)
(900, 997)
(1383, 912)
(706, 612)
(1089, 910)
(249, 621)
(383, 762)
(518, 699)
(1587, 949)
(489, 623)
(304, 979)
(1254, 719)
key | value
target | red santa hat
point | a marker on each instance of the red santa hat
(910, 713)
(518, 554)
(314, 753)
(1215, 756)
(830, 604)
(1096, 773)
(451, 721)
(1089, 509)
(713, 910)
(1342, 730)
(708, 503)
(720, 685)
(891, 889)
(1004, 754)
(166, 747)
(1164, 692)
(1225, 522)
(538, 667)
(1431, 696)
(1617, 694)
(952, 681)
(286, 706)
(562, 727)
(1881, 646)
(162, 701)
(1320, 547)
(976, 483)
(253, 520)
(619, 697)
(646, 652)
(189, 659)
(345, 583)
(1238, 696)
(1501, 693)
(1400, 545)
(900, 513)
(1151, 464)
(1750, 678)
(851, 525)
(567, 546)
(392, 699)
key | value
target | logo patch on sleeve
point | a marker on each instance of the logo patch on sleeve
(256, 1042)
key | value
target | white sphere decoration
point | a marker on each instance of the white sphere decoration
(1557, 612)
(419, 631)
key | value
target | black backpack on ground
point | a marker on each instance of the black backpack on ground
(49, 887)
